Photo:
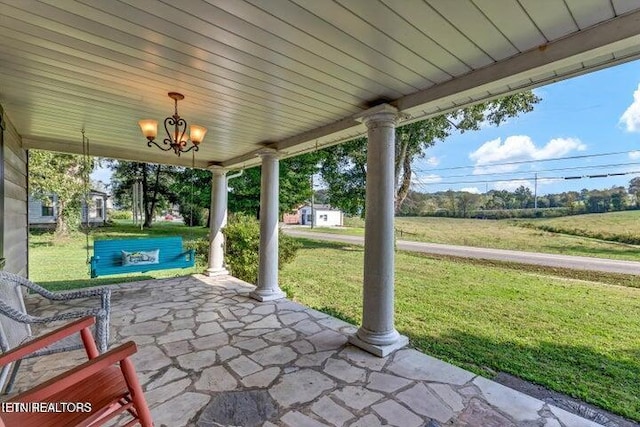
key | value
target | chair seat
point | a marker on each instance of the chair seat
(102, 389)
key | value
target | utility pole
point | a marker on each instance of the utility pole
(535, 191)
(313, 211)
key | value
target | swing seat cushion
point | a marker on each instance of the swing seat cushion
(140, 257)
(109, 255)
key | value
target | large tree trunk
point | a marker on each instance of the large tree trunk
(62, 228)
(150, 202)
(405, 185)
(401, 155)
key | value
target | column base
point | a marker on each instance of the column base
(212, 272)
(267, 295)
(380, 350)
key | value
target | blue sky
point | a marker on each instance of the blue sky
(591, 114)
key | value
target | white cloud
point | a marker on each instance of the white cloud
(473, 190)
(559, 147)
(426, 179)
(432, 161)
(630, 119)
(518, 148)
(634, 155)
(512, 185)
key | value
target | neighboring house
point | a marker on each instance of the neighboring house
(325, 216)
(43, 212)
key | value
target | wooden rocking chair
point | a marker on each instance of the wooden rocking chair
(15, 322)
(88, 395)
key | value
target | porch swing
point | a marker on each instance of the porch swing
(122, 256)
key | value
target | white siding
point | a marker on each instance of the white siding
(323, 217)
(35, 212)
(15, 202)
(326, 218)
(36, 216)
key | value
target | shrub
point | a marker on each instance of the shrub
(201, 247)
(242, 240)
(120, 215)
(193, 214)
(73, 215)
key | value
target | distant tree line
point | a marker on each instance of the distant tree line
(521, 202)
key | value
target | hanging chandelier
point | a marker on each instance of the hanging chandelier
(176, 128)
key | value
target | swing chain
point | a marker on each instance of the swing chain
(84, 211)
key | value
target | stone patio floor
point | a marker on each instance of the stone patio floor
(211, 356)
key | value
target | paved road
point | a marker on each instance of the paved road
(550, 260)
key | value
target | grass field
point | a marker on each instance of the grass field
(613, 226)
(507, 234)
(580, 338)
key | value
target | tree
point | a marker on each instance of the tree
(634, 188)
(156, 185)
(294, 180)
(192, 191)
(344, 166)
(618, 198)
(62, 175)
(524, 196)
(467, 202)
(597, 201)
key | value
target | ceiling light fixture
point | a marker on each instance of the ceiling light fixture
(176, 128)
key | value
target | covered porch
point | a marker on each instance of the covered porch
(210, 355)
(271, 80)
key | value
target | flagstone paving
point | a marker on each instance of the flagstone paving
(208, 355)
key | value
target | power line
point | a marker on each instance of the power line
(521, 162)
(542, 170)
(554, 178)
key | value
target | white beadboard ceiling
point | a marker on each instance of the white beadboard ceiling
(284, 74)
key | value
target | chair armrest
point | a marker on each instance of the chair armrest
(77, 374)
(21, 317)
(56, 296)
(190, 252)
(46, 340)
(66, 296)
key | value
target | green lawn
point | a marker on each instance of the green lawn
(507, 234)
(580, 338)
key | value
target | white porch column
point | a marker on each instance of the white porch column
(268, 288)
(218, 221)
(377, 334)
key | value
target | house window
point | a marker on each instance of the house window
(309, 218)
(47, 207)
(99, 208)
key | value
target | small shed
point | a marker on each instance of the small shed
(325, 216)
(292, 217)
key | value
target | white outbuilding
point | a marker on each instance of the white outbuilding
(321, 216)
